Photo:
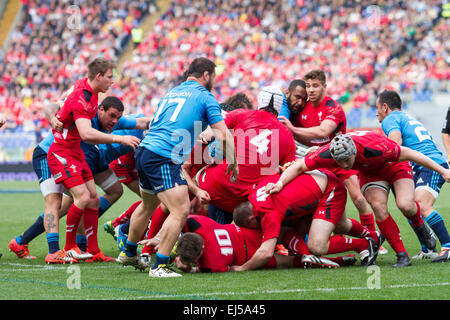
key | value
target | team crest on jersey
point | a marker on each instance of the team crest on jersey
(74, 168)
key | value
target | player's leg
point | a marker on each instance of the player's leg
(404, 198)
(134, 186)
(366, 215)
(376, 194)
(428, 186)
(109, 183)
(177, 202)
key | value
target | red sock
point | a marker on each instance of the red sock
(340, 244)
(158, 218)
(390, 230)
(73, 220)
(294, 242)
(126, 215)
(416, 220)
(359, 231)
(368, 221)
(90, 219)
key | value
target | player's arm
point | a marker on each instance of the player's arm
(143, 123)
(260, 258)
(396, 136)
(305, 135)
(202, 195)
(407, 154)
(446, 134)
(226, 140)
(91, 135)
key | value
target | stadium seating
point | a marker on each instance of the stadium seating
(362, 47)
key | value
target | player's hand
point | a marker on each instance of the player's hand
(203, 197)
(153, 242)
(56, 124)
(274, 187)
(285, 166)
(234, 169)
(446, 175)
(236, 268)
(130, 141)
(286, 122)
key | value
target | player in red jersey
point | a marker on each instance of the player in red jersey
(218, 247)
(324, 197)
(376, 158)
(66, 158)
(262, 144)
(125, 169)
(319, 122)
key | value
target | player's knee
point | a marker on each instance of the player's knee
(407, 207)
(94, 200)
(379, 208)
(317, 247)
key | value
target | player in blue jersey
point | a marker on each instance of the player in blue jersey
(409, 132)
(182, 115)
(109, 117)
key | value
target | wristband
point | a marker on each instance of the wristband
(117, 139)
(279, 184)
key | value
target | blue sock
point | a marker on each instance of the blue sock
(82, 242)
(130, 249)
(53, 242)
(125, 228)
(33, 231)
(160, 259)
(437, 224)
(103, 206)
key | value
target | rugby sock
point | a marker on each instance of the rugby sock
(391, 232)
(131, 248)
(359, 231)
(73, 220)
(158, 218)
(90, 219)
(437, 224)
(339, 244)
(368, 221)
(125, 228)
(294, 242)
(53, 242)
(33, 231)
(125, 216)
(103, 206)
(416, 220)
(82, 242)
(160, 259)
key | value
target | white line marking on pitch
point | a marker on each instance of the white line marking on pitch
(296, 290)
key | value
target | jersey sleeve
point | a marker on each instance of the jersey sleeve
(213, 111)
(390, 124)
(126, 122)
(78, 104)
(321, 158)
(285, 112)
(446, 126)
(334, 112)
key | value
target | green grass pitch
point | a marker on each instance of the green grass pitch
(33, 279)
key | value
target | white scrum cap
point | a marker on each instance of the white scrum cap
(267, 94)
(342, 147)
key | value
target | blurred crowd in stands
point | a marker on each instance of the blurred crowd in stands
(362, 47)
